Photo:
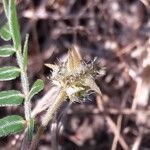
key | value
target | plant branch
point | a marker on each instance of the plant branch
(11, 14)
(47, 118)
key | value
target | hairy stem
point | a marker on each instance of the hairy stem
(25, 85)
(47, 118)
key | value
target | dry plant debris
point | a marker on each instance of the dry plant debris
(118, 34)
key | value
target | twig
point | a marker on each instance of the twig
(115, 111)
(114, 145)
(112, 125)
(119, 121)
(137, 143)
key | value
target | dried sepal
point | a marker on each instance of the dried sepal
(91, 83)
(75, 76)
(74, 60)
(52, 66)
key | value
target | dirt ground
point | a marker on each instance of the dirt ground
(117, 32)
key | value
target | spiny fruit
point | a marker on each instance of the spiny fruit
(74, 77)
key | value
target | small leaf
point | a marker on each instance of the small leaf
(28, 134)
(25, 52)
(36, 88)
(6, 51)
(11, 125)
(9, 73)
(14, 25)
(5, 33)
(10, 98)
(30, 129)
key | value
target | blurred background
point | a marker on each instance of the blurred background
(117, 32)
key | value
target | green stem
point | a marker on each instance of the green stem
(25, 85)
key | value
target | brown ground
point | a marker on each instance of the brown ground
(115, 31)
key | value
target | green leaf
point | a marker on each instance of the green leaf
(6, 51)
(25, 52)
(10, 98)
(30, 129)
(36, 88)
(5, 33)
(11, 125)
(14, 25)
(9, 73)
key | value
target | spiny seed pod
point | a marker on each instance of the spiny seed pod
(74, 77)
